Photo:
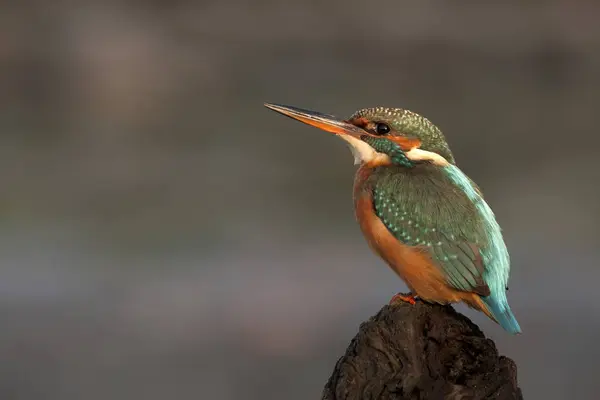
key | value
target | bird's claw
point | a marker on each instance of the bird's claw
(406, 298)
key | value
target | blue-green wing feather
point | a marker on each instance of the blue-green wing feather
(495, 254)
(458, 259)
(441, 211)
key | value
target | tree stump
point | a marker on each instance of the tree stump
(422, 351)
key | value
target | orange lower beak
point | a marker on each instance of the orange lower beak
(325, 122)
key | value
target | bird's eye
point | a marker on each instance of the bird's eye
(382, 129)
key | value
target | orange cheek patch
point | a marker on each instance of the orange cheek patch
(406, 144)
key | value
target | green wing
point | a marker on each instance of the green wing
(421, 207)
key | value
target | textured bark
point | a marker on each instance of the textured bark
(422, 351)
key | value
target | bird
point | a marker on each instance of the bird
(419, 212)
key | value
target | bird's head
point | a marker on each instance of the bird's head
(376, 134)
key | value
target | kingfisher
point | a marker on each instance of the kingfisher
(419, 212)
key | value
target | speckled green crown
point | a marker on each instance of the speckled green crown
(410, 124)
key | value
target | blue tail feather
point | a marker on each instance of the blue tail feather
(503, 314)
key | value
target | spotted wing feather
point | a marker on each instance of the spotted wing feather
(423, 209)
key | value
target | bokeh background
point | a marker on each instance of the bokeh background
(163, 235)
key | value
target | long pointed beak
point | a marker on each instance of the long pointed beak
(325, 122)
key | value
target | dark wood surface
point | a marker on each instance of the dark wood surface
(422, 351)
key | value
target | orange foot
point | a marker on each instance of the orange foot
(408, 298)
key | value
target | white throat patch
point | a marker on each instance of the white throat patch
(363, 153)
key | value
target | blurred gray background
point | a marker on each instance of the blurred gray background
(163, 235)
